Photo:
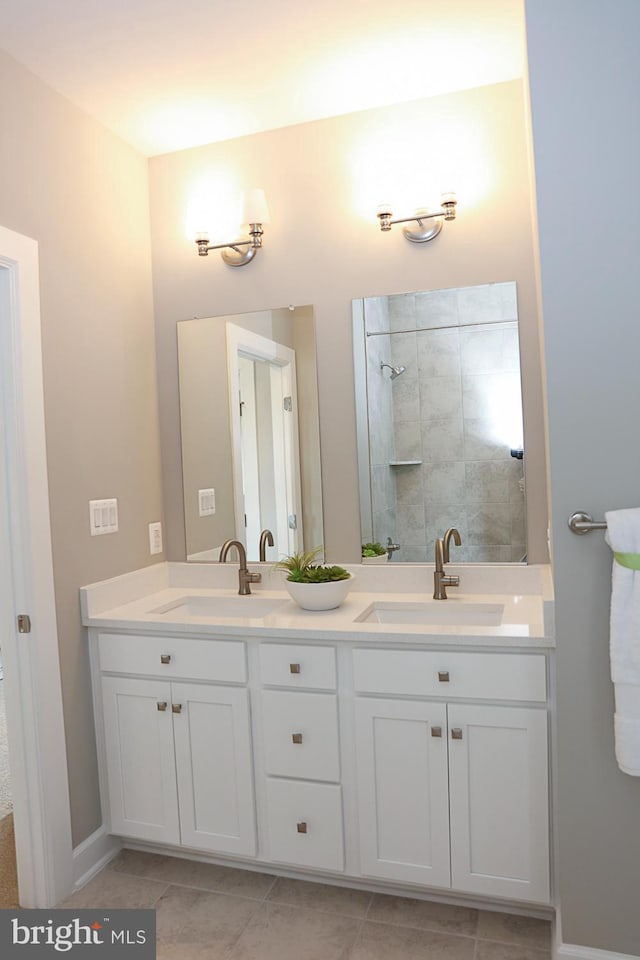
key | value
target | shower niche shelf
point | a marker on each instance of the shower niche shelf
(405, 463)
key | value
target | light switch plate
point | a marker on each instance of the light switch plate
(155, 538)
(206, 502)
(103, 517)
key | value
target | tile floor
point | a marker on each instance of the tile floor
(209, 912)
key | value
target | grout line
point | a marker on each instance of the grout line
(270, 887)
(409, 926)
(368, 910)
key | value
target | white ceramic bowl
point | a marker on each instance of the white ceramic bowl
(319, 596)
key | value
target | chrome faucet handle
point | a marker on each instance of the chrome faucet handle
(391, 547)
(446, 540)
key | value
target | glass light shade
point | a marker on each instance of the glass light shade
(254, 207)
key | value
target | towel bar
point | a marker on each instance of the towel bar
(582, 522)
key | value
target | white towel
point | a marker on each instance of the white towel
(623, 536)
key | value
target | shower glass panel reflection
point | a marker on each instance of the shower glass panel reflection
(440, 442)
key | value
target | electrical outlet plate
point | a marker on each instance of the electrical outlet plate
(155, 538)
(103, 517)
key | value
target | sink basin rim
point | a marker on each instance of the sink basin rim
(443, 613)
(234, 607)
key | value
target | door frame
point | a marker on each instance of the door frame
(37, 749)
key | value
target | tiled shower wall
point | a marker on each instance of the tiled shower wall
(457, 410)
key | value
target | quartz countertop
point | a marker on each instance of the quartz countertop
(155, 601)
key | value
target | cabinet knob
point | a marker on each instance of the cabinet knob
(456, 733)
(296, 737)
(301, 827)
(436, 731)
(443, 676)
(165, 658)
(162, 705)
(294, 668)
(176, 708)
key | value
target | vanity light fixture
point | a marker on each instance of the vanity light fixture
(255, 213)
(426, 231)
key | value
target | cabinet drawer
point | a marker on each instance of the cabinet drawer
(290, 665)
(300, 732)
(220, 660)
(485, 676)
(304, 822)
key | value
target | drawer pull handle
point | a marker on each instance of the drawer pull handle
(176, 708)
(162, 705)
(443, 676)
(165, 658)
(294, 668)
(436, 731)
(456, 733)
(296, 737)
(301, 827)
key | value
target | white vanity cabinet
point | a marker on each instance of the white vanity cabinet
(177, 753)
(301, 755)
(416, 765)
(454, 794)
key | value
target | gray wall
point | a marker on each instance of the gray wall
(82, 194)
(324, 181)
(585, 77)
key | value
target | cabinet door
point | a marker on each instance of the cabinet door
(499, 801)
(214, 766)
(141, 772)
(401, 750)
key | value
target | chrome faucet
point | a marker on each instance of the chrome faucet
(245, 577)
(441, 580)
(266, 539)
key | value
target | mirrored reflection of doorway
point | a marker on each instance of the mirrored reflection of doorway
(263, 407)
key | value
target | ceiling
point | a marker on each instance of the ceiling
(166, 76)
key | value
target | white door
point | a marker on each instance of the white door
(278, 494)
(39, 780)
(401, 749)
(499, 801)
(249, 454)
(214, 767)
(138, 732)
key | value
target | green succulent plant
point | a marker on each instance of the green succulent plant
(302, 569)
(374, 549)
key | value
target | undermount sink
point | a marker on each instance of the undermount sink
(435, 612)
(240, 608)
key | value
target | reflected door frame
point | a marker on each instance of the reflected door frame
(282, 359)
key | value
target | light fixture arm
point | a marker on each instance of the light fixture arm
(423, 233)
(232, 254)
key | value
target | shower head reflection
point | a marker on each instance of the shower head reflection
(395, 371)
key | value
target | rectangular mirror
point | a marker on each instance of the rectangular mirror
(439, 418)
(250, 432)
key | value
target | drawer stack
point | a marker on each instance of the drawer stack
(301, 755)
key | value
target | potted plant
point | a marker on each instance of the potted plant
(374, 553)
(314, 586)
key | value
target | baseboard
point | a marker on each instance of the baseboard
(94, 853)
(572, 951)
